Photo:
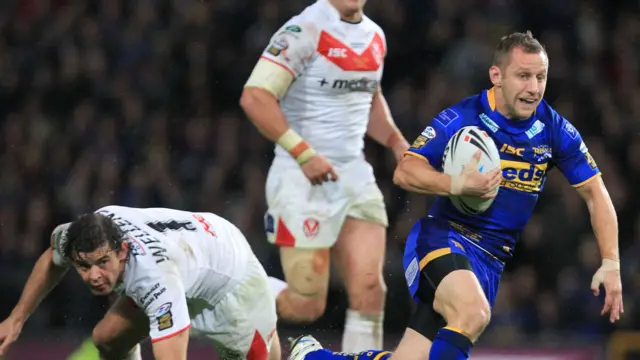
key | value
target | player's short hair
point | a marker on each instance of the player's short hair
(90, 232)
(521, 40)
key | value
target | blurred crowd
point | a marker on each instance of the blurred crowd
(136, 103)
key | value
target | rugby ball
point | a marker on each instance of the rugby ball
(459, 151)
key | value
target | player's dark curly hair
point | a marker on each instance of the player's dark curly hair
(90, 232)
(522, 40)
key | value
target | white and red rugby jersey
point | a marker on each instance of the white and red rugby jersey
(337, 66)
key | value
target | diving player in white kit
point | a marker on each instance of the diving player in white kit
(315, 92)
(177, 273)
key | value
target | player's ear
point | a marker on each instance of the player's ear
(495, 75)
(124, 250)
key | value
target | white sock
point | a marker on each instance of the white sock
(362, 332)
(134, 354)
(277, 286)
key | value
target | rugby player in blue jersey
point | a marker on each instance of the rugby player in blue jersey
(453, 262)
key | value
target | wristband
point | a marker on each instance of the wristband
(456, 185)
(296, 146)
(610, 264)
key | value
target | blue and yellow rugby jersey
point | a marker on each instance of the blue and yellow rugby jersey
(529, 149)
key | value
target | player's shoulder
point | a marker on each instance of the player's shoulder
(309, 22)
(60, 231)
(547, 114)
(369, 24)
(556, 122)
(464, 113)
(146, 258)
(139, 275)
(58, 241)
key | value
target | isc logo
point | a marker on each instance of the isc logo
(508, 149)
(523, 176)
(337, 53)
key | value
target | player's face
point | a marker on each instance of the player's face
(522, 83)
(101, 269)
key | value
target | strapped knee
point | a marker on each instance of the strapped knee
(307, 275)
(306, 271)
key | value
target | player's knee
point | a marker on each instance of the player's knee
(367, 292)
(460, 299)
(306, 271)
(307, 276)
(307, 286)
(475, 319)
(300, 308)
(471, 315)
(310, 309)
(304, 300)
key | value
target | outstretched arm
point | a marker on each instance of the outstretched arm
(282, 61)
(46, 274)
(603, 217)
(604, 222)
(579, 167)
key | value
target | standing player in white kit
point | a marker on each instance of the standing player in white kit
(315, 92)
(177, 272)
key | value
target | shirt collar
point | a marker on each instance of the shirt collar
(512, 126)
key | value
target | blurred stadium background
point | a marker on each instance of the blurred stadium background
(135, 102)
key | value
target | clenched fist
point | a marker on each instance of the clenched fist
(318, 170)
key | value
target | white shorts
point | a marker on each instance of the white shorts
(243, 323)
(306, 216)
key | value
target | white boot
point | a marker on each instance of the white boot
(302, 346)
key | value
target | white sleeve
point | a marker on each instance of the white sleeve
(293, 46)
(285, 58)
(59, 238)
(161, 295)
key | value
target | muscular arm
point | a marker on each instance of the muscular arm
(417, 175)
(605, 227)
(266, 85)
(44, 277)
(259, 100)
(173, 348)
(603, 217)
(263, 110)
(280, 63)
(382, 128)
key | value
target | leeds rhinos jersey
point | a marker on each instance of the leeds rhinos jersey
(180, 262)
(337, 66)
(529, 149)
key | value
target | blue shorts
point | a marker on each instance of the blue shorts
(430, 238)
